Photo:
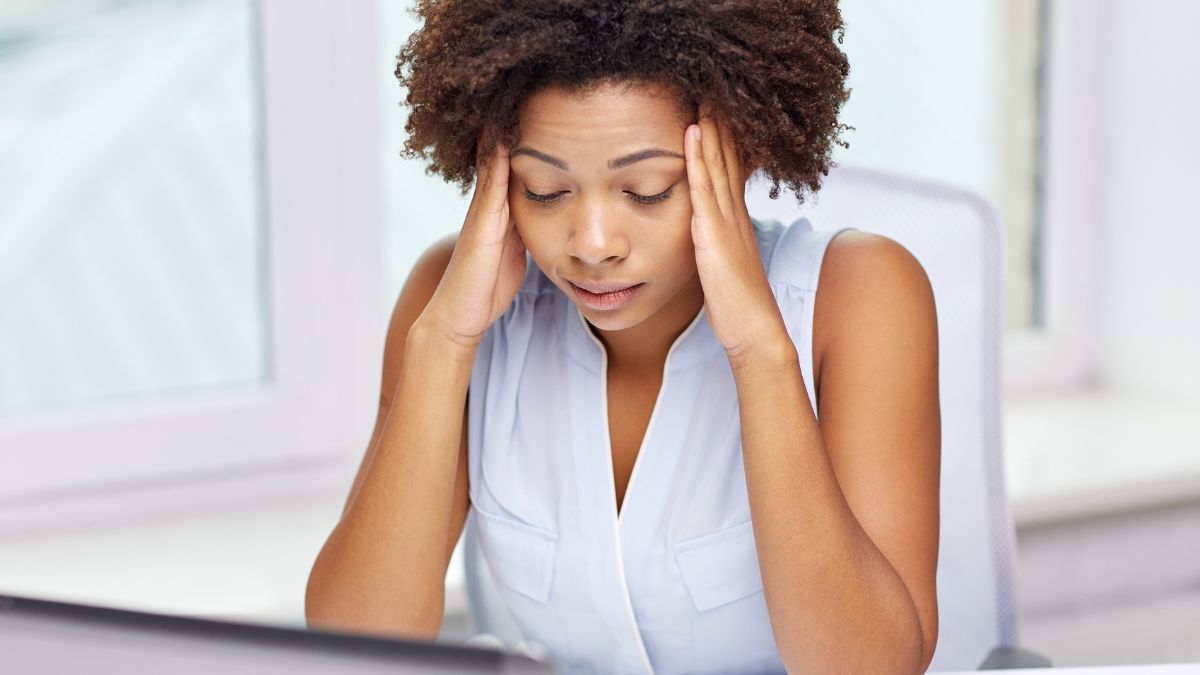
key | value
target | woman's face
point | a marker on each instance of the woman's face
(598, 191)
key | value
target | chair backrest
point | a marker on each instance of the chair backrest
(957, 237)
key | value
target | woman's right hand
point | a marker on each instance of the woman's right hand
(488, 263)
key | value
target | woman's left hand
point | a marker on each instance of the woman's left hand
(741, 308)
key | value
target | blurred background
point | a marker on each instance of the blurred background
(204, 224)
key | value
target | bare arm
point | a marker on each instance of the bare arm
(383, 567)
(846, 512)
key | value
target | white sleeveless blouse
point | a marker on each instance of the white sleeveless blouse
(672, 585)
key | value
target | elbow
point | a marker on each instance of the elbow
(928, 641)
(914, 652)
(909, 653)
(337, 598)
(418, 626)
(316, 613)
(327, 609)
(917, 651)
(927, 635)
(316, 605)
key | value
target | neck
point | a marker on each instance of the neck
(643, 348)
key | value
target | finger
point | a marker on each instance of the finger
(513, 243)
(700, 186)
(737, 187)
(481, 169)
(714, 158)
(491, 185)
(733, 167)
(496, 190)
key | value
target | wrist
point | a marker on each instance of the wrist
(773, 350)
(429, 336)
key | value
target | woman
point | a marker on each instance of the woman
(638, 439)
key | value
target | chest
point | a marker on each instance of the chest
(631, 400)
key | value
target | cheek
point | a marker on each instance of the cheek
(520, 214)
(539, 239)
(672, 246)
(681, 229)
(529, 235)
(685, 255)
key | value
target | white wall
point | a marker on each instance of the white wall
(1150, 273)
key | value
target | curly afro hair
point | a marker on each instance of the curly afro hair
(771, 70)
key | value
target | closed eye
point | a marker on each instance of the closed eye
(640, 199)
(544, 199)
(654, 199)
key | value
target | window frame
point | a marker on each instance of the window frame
(1062, 353)
(304, 431)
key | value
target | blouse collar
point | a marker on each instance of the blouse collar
(695, 345)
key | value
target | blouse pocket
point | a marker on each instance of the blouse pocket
(721, 567)
(519, 556)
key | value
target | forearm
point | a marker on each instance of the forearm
(382, 568)
(836, 603)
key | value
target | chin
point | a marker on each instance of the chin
(611, 321)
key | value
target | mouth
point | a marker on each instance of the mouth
(620, 295)
(602, 288)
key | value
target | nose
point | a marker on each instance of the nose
(596, 236)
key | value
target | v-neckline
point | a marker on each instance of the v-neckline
(621, 500)
(618, 513)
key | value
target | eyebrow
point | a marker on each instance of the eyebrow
(613, 164)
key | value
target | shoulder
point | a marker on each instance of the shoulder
(434, 260)
(874, 297)
(423, 279)
(857, 258)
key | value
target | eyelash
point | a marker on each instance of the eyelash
(639, 199)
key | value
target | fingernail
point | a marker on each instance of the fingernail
(696, 133)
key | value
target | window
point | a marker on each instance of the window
(949, 91)
(133, 261)
(188, 252)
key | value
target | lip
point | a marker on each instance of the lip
(607, 301)
(600, 288)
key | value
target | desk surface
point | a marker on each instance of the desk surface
(1150, 669)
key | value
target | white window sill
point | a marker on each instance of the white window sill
(250, 564)
(1093, 452)
(1068, 456)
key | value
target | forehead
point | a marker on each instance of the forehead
(607, 115)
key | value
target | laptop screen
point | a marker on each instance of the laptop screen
(52, 637)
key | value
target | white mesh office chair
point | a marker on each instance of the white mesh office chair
(957, 237)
